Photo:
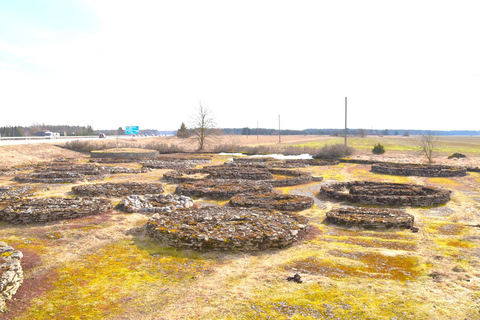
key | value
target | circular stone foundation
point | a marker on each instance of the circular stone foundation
(155, 203)
(118, 189)
(370, 218)
(13, 193)
(44, 210)
(391, 194)
(227, 229)
(64, 173)
(221, 189)
(124, 153)
(272, 200)
(11, 273)
(406, 169)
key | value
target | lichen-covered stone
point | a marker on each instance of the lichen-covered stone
(272, 200)
(118, 189)
(11, 273)
(221, 188)
(42, 210)
(227, 229)
(151, 203)
(370, 218)
(409, 169)
(394, 194)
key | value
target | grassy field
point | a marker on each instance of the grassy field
(102, 267)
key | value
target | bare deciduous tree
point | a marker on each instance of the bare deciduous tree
(428, 145)
(204, 126)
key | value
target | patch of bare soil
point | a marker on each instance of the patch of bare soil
(34, 153)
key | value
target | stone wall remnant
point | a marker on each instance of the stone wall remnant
(390, 194)
(151, 203)
(273, 201)
(118, 189)
(43, 210)
(221, 189)
(370, 218)
(408, 169)
(11, 273)
(227, 229)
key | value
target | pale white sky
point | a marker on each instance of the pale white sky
(402, 64)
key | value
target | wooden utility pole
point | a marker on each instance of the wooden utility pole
(279, 132)
(345, 121)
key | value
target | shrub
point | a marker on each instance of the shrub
(334, 151)
(378, 149)
(456, 156)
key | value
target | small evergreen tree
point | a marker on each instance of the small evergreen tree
(183, 133)
(378, 149)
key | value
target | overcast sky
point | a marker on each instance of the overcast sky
(402, 64)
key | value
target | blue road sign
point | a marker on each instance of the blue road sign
(131, 130)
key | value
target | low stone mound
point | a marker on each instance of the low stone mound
(227, 229)
(370, 218)
(118, 189)
(301, 163)
(221, 189)
(273, 201)
(391, 194)
(124, 153)
(155, 203)
(11, 273)
(13, 193)
(115, 170)
(287, 178)
(42, 210)
(408, 169)
(184, 175)
(64, 173)
(244, 173)
(175, 164)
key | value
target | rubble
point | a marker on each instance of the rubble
(117, 189)
(151, 203)
(64, 173)
(227, 229)
(221, 188)
(13, 193)
(42, 210)
(392, 194)
(11, 273)
(272, 200)
(421, 170)
(370, 218)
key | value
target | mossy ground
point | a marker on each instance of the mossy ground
(98, 268)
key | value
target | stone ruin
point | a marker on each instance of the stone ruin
(269, 162)
(11, 273)
(118, 190)
(370, 218)
(221, 189)
(175, 163)
(64, 173)
(390, 194)
(43, 210)
(124, 153)
(151, 203)
(227, 229)
(272, 201)
(275, 177)
(409, 169)
(13, 193)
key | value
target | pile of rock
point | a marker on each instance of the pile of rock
(184, 175)
(11, 273)
(245, 173)
(370, 218)
(151, 203)
(12, 193)
(273, 201)
(44, 210)
(64, 173)
(226, 229)
(291, 178)
(114, 170)
(391, 194)
(408, 169)
(301, 163)
(174, 163)
(118, 189)
(221, 189)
